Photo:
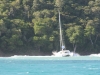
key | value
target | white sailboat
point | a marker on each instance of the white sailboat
(62, 51)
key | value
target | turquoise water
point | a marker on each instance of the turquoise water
(24, 65)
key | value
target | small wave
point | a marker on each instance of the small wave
(27, 72)
(97, 55)
(19, 56)
(93, 68)
(21, 73)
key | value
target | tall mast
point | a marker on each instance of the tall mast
(61, 40)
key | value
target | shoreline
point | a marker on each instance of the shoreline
(33, 53)
(26, 53)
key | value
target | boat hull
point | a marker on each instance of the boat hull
(63, 53)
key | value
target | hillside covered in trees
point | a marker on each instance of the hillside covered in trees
(32, 25)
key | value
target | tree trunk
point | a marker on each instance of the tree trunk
(93, 42)
(74, 46)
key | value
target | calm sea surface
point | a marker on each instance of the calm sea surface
(24, 65)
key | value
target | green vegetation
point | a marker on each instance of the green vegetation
(33, 25)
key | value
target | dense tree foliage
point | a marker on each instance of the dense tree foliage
(33, 24)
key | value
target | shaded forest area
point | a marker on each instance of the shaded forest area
(28, 26)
